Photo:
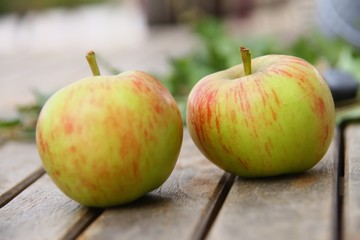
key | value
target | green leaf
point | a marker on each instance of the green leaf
(10, 123)
(348, 62)
(348, 114)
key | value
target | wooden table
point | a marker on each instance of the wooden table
(198, 201)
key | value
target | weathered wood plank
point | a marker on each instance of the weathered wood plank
(18, 161)
(351, 214)
(40, 212)
(174, 211)
(289, 207)
(18, 188)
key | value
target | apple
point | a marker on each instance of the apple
(269, 116)
(108, 140)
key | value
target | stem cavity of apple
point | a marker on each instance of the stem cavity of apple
(90, 57)
(246, 58)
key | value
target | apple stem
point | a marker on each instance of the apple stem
(246, 58)
(90, 57)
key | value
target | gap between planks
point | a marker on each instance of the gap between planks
(348, 198)
(214, 206)
(202, 229)
(21, 186)
(341, 142)
(85, 221)
(340, 182)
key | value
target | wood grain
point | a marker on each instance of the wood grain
(351, 214)
(290, 207)
(10, 194)
(18, 161)
(174, 211)
(40, 212)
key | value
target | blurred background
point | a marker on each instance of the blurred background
(43, 44)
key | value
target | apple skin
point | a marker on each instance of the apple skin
(108, 140)
(278, 120)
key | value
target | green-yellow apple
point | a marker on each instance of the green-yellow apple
(108, 140)
(269, 116)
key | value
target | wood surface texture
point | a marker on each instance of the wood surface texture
(198, 201)
(289, 207)
(351, 215)
(174, 211)
(20, 166)
(39, 212)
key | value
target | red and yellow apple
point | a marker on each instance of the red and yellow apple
(269, 116)
(108, 140)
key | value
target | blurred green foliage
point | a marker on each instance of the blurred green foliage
(22, 6)
(220, 51)
(217, 51)
(23, 125)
